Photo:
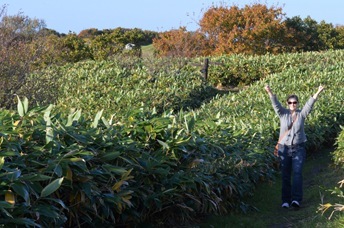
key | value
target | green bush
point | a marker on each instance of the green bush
(66, 170)
(338, 157)
(242, 70)
(338, 154)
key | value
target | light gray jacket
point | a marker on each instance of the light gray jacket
(296, 134)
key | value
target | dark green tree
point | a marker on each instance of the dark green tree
(74, 49)
(303, 34)
(340, 38)
(328, 36)
(104, 46)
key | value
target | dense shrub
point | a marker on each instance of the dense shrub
(164, 169)
(338, 157)
(338, 154)
(18, 52)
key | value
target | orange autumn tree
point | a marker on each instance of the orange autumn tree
(181, 43)
(254, 29)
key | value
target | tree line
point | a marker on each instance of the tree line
(27, 45)
(254, 29)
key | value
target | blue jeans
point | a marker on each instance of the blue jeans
(292, 159)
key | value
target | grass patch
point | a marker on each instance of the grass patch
(319, 175)
(147, 51)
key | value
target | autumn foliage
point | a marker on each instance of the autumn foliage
(180, 42)
(253, 29)
(18, 52)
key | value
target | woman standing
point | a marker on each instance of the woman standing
(291, 144)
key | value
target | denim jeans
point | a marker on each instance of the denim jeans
(292, 159)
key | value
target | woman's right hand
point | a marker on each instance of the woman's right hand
(267, 88)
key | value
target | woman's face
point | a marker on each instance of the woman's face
(292, 103)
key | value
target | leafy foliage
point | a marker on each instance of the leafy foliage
(299, 79)
(254, 29)
(74, 49)
(339, 153)
(181, 43)
(131, 141)
(17, 52)
(139, 165)
(338, 157)
(150, 169)
(103, 47)
(26, 46)
(119, 86)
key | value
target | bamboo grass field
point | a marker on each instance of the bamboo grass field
(149, 142)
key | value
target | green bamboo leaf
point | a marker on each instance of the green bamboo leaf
(74, 159)
(148, 128)
(109, 156)
(5, 212)
(114, 169)
(70, 119)
(191, 124)
(169, 190)
(12, 176)
(35, 177)
(62, 204)
(58, 170)
(47, 211)
(25, 105)
(105, 122)
(21, 190)
(52, 187)
(71, 153)
(75, 116)
(163, 144)
(2, 162)
(20, 107)
(49, 134)
(4, 204)
(97, 118)
(20, 221)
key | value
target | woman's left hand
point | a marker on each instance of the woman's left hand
(321, 88)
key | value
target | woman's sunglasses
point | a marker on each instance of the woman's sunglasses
(294, 102)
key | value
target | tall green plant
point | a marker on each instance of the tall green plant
(338, 157)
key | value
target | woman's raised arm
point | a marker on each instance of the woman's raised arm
(320, 89)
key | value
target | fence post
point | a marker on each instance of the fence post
(205, 69)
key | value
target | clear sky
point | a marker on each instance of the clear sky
(157, 15)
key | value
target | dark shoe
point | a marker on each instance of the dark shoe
(295, 203)
(285, 205)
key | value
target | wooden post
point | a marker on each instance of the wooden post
(205, 69)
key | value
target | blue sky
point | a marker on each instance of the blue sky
(156, 15)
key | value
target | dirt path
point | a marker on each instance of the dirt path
(319, 176)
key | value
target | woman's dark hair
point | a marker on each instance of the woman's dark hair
(293, 96)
